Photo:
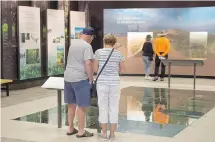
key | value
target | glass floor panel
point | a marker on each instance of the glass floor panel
(152, 111)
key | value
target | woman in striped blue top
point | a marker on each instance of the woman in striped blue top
(108, 85)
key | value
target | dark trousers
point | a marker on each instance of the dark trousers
(157, 65)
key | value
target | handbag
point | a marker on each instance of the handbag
(94, 90)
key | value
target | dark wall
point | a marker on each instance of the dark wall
(1, 42)
(9, 42)
(9, 38)
(96, 19)
(97, 7)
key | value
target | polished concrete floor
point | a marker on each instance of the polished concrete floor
(148, 111)
(152, 111)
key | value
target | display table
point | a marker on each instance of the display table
(56, 83)
(6, 82)
(194, 63)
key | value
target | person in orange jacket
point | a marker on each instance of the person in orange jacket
(162, 48)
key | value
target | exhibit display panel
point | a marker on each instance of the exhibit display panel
(29, 42)
(77, 24)
(55, 42)
(191, 32)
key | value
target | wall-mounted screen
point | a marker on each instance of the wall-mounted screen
(191, 32)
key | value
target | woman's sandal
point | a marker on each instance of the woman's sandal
(86, 134)
(101, 137)
(75, 131)
(112, 137)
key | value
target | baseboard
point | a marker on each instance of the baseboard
(175, 76)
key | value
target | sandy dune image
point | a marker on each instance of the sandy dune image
(135, 65)
(191, 37)
(180, 49)
(122, 42)
(208, 68)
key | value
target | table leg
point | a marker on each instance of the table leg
(59, 108)
(7, 89)
(194, 87)
(169, 74)
(194, 77)
(194, 100)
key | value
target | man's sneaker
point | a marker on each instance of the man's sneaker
(155, 79)
(162, 79)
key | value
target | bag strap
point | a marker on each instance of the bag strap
(104, 65)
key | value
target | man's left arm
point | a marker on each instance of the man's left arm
(88, 58)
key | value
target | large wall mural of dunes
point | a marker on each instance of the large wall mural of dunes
(191, 32)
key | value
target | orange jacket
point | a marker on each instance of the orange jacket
(162, 44)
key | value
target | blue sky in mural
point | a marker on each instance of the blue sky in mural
(187, 19)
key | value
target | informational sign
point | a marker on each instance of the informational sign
(29, 42)
(55, 42)
(77, 24)
(198, 45)
(135, 42)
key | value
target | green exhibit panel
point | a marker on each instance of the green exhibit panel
(29, 42)
(55, 42)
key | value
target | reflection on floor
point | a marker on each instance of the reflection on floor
(153, 111)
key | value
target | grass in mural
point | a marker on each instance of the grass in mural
(32, 68)
(32, 56)
(58, 67)
(30, 71)
(60, 55)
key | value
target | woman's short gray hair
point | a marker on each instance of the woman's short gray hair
(110, 39)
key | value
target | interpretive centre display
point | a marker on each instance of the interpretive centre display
(55, 42)
(77, 23)
(191, 32)
(29, 42)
